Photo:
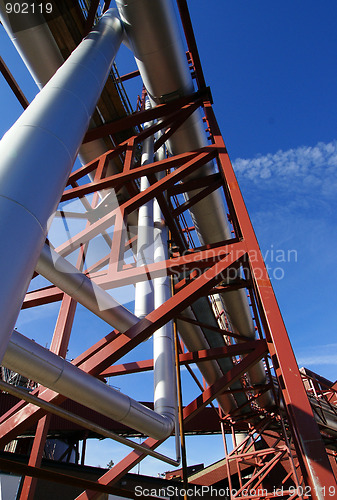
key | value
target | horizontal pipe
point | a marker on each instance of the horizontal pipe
(36, 363)
(83, 422)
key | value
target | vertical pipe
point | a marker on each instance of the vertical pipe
(144, 289)
(165, 396)
(37, 155)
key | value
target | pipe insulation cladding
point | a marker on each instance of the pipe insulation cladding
(32, 38)
(37, 155)
(77, 285)
(37, 363)
(144, 301)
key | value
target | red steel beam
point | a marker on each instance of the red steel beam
(191, 42)
(42, 296)
(184, 359)
(35, 458)
(129, 76)
(148, 115)
(13, 84)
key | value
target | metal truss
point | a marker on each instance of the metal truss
(293, 460)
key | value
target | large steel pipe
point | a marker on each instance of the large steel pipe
(37, 155)
(37, 363)
(31, 36)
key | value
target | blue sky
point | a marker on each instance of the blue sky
(273, 75)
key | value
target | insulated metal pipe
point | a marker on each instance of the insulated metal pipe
(37, 363)
(165, 383)
(37, 155)
(144, 289)
(73, 282)
(31, 36)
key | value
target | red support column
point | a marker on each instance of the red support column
(29, 483)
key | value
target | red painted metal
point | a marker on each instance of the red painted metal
(91, 17)
(36, 454)
(191, 42)
(13, 84)
(211, 263)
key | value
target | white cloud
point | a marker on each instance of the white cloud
(305, 169)
(318, 355)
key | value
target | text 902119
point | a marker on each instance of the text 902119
(28, 8)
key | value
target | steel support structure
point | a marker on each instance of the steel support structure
(283, 454)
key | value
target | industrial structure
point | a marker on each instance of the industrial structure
(155, 208)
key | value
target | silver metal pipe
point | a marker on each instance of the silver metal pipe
(37, 155)
(83, 422)
(36, 45)
(37, 363)
(144, 302)
(165, 383)
(73, 282)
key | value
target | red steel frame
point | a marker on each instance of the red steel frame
(305, 451)
(294, 448)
